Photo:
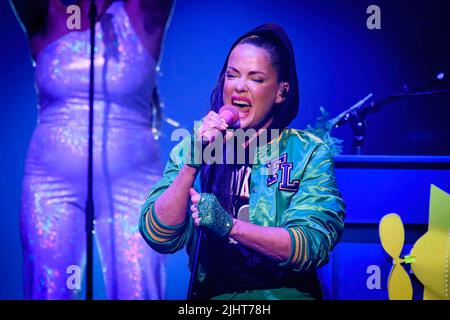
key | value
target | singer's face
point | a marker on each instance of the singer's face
(251, 84)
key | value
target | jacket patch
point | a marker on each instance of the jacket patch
(281, 164)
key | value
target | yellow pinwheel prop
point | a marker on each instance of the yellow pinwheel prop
(429, 257)
(392, 235)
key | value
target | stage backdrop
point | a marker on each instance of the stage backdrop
(339, 61)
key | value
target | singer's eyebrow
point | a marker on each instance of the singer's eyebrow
(250, 73)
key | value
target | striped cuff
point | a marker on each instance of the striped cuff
(299, 248)
(159, 232)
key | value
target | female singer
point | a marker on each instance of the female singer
(270, 220)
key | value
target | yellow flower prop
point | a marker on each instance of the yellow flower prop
(429, 257)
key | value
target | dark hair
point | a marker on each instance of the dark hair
(276, 53)
(216, 178)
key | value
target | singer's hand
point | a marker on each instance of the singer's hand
(211, 126)
(195, 197)
(209, 214)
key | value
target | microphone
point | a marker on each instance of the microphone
(229, 114)
(231, 117)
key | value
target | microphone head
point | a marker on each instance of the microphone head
(229, 114)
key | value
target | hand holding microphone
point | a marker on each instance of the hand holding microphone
(212, 126)
(213, 123)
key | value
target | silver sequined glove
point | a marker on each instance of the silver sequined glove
(213, 217)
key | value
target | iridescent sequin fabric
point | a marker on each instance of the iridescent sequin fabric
(126, 165)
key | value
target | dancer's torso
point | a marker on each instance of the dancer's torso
(124, 80)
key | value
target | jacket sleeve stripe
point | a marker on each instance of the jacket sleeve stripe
(299, 249)
(157, 226)
(155, 229)
(302, 247)
(305, 245)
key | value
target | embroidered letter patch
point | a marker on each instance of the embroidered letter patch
(280, 164)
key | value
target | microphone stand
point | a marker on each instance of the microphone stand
(198, 246)
(193, 277)
(356, 114)
(90, 199)
(191, 295)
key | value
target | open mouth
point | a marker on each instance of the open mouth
(243, 104)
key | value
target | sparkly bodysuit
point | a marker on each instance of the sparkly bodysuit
(126, 165)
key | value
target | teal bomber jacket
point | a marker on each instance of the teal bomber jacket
(293, 188)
